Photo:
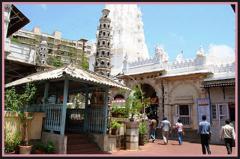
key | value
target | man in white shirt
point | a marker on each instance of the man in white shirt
(228, 134)
(165, 126)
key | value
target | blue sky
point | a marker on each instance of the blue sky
(175, 27)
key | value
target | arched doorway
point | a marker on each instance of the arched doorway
(149, 92)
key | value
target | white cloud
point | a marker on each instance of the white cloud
(43, 6)
(220, 54)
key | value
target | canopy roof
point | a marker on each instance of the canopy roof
(218, 81)
(17, 21)
(71, 72)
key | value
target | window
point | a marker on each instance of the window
(221, 114)
(184, 114)
(214, 111)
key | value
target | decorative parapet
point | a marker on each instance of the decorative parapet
(226, 68)
(142, 62)
(185, 65)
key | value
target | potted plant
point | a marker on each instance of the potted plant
(41, 148)
(20, 101)
(38, 148)
(114, 127)
(11, 142)
(142, 132)
(50, 147)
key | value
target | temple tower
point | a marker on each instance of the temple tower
(103, 56)
(127, 36)
(42, 53)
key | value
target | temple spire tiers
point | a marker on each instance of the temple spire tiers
(103, 56)
(127, 35)
(42, 54)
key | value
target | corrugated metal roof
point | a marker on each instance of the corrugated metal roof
(217, 82)
(70, 71)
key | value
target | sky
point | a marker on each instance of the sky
(176, 27)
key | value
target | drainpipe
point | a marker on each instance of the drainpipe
(210, 105)
(162, 97)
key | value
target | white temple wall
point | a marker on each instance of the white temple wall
(217, 95)
(183, 92)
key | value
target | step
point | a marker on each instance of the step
(77, 136)
(85, 152)
(77, 141)
(82, 146)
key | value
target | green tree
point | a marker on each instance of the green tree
(85, 64)
(17, 102)
(54, 61)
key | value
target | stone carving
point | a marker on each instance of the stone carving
(160, 54)
(42, 53)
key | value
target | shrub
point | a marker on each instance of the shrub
(115, 124)
(143, 128)
(12, 141)
(50, 147)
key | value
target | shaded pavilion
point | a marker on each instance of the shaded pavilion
(55, 86)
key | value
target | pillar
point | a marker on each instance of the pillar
(64, 108)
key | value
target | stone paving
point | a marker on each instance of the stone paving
(173, 149)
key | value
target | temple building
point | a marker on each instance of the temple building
(185, 89)
(127, 36)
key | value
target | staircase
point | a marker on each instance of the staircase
(81, 144)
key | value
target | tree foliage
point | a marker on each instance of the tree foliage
(56, 62)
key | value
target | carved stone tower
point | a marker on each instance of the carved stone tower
(42, 53)
(103, 56)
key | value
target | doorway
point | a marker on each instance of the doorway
(232, 112)
(149, 92)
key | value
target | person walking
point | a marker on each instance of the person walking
(153, 126)
(205, 133)
(165, 126)
(179, 127)
(228, 134)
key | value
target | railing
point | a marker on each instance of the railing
(75, 120)
(35, 108)
(53, 117)
(96, 120)
(185, 120)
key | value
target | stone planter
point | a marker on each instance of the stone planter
(25, 149)
(132, 135)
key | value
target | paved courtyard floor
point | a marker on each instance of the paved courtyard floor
(173, 149)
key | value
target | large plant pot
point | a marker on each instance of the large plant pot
(39, 151)
(13, 152)
(141, 139)
(114, 131)
(25, 149)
